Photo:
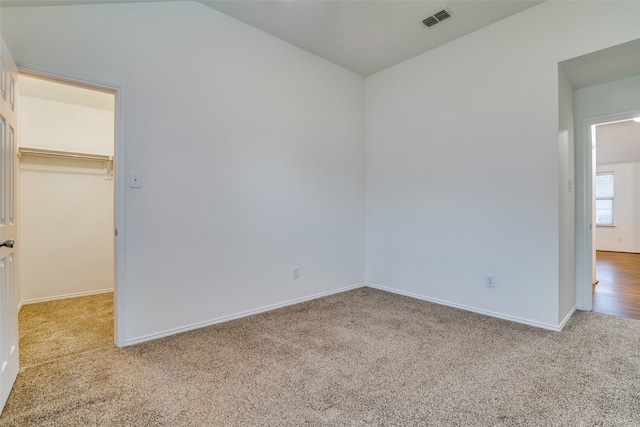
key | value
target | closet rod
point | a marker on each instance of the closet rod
(59, 153)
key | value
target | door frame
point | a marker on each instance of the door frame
(119, 286)
(585, 224)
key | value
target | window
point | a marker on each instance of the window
(604, 198)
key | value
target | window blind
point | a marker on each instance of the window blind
(604, 198)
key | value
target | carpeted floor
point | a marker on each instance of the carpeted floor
(359, 358)
(53, 329)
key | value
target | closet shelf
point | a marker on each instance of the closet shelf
(59, 153)
(106, 158)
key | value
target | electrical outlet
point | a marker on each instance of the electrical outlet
(296, 272)
(619, 239)
(490, 281)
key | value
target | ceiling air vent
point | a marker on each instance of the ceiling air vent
(436, 18)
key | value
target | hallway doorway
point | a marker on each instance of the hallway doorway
(616, 237)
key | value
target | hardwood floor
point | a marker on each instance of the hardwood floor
(618, 290)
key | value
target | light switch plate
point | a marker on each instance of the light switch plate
(135, 180)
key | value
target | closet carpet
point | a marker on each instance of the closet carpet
(359, 358)
(54, 329)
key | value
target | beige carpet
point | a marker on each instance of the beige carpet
(53, 329)
(359, 358)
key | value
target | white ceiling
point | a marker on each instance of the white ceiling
(618, 142)
(364, 36)
(367, 36)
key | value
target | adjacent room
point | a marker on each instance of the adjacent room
(337, 213)
(617, 208)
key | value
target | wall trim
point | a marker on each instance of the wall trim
(567, 317)
(556, 328)
(57, 297)
(119, 188)
(240, 315)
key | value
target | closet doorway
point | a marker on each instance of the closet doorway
(65, 192)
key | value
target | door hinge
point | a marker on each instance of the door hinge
(116, 232)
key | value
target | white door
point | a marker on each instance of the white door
(8, 294)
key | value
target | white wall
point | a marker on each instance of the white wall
(66, 126)
(626, 210)
(462, 161)
(566, 191)
(251, 153)
(606, 98)
(66, 206)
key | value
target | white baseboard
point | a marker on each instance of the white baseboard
(57, 297)
(223, 319)
(566, 318)
(548, 326)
